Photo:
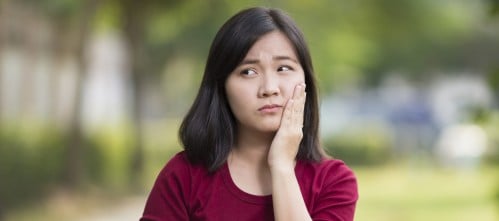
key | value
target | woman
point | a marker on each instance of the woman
(251, 137)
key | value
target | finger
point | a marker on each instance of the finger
(299, 96)
(287, 116)
(298, 91)
(293, 110)
(300, 106)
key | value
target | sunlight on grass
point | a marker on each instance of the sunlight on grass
(409, 193)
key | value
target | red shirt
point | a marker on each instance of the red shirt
(184, 191)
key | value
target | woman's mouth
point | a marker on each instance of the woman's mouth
(270, 108)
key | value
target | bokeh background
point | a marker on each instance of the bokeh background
(92, 93)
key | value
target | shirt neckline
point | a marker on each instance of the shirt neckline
(248, 197)
(240, 194)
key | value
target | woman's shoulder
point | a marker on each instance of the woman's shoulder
(336, 165)
(179, 164)
(177, 161)
(328, 178)
(178, 158)
(329, 170)
(328, 164)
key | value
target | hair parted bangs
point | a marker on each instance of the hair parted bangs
(208, 130)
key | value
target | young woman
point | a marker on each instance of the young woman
(251, 137)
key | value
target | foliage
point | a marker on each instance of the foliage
(367, 146)
(493, 80)
(496, 197)
(491, 125)
(350, 41)
(494, 7)
(31, 164)
(28, 170)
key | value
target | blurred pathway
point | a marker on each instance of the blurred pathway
(129, 209)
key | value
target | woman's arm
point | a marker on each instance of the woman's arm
(287, 198)
(286, 195)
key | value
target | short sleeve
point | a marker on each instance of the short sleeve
(167, 199)
(338, 196)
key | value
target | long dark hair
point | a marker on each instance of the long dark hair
(208, 130)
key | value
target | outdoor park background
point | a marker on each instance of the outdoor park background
(92, 93)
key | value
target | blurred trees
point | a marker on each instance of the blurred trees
(355, 42)
(494, 7)
(72, 25)
(365, 40)
(135, 19)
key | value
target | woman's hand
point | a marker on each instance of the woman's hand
(286, 196)
(287, 140)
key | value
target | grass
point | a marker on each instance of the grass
(396, 192)
(66, 205)
(426, 193)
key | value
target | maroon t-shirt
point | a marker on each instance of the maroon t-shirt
(184, 191)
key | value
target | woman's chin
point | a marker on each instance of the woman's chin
(269, 128)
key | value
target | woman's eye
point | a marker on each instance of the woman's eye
(248, 72)
(284, 68)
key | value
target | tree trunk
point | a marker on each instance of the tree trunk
(74, 155)
(3, 43)
(134, 22)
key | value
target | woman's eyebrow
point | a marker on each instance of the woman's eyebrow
(277, 58)
(250, 61)
(284, 57)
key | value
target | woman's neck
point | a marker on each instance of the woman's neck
(248, 162)
(253, 146)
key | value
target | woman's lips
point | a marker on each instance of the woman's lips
(271, 108)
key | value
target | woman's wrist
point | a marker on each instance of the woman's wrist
(282, 167)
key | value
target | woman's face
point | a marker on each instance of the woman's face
(259, 87)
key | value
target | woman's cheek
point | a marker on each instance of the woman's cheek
(288, 92)
(290, 88)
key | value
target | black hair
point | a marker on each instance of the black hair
(208, 130)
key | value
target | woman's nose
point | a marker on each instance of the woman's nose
(269, 86)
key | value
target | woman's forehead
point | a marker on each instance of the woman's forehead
(272, 46)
